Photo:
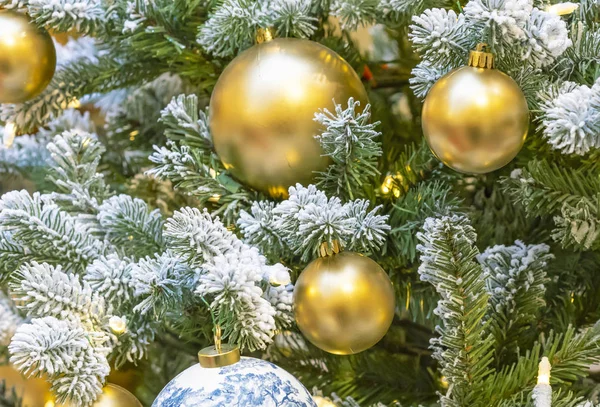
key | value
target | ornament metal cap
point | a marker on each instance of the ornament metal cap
(330, 248)
(219, 355)
(480, 58)
(264, 35)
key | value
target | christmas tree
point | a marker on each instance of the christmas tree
(187, 160)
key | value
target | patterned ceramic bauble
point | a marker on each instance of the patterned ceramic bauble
(116, 396)
(27, 58)
(34, 392)
(263, 106)
(344, 303)
(249, 382)
(475, 118)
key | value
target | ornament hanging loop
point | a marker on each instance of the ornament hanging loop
(481, 58)
(219, 355)
(264, 35)
(218, 343)
(330, 248)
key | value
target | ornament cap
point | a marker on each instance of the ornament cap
(212, 357)
(481, 58)
(219, 355)
(330, 248)
(264, 35)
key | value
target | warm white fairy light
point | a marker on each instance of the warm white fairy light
(542, 392)
(10, 131)
(563, 9)
(117, 325)
(323, 402)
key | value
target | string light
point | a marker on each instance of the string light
(544, 371)
(74, 104)
(392, 184)
(323, 402)
(214, 198)
(10, 131)
(117, 325)
(542, 392)
(562, 9)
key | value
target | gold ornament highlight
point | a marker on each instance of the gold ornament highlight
(116, 396)
(475, 118)
(263, 106)
(35, 392)
(344, 302)
(27, 58)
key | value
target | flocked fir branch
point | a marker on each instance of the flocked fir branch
(190, 162)
(308, 218)
(99, 284)
(516, 282)
(85, 240)
(350, 140)
(463, 349)
(572, 200)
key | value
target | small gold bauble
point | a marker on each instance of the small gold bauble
(27, 58)
(116, 396)
(34, 392)
(475, 119)
(262, 111)
(344, 303)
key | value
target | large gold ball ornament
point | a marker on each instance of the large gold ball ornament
(344, 303)
(34, 392)
(27, 58)
(263, 106)
(116, 396)
(475, 118)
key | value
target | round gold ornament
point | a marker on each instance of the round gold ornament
(116, 396)
(262, 111)
(344, 303)
(27, 58)
(34, 392)
(475, 118)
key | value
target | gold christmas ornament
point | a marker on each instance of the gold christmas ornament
(475, 118)
(344, 302)
(27, 58)
(262, 110)
(35, 392)
(116, 396)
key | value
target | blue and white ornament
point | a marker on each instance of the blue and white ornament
(248, 383)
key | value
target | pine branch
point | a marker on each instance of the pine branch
(464, 351)
(76, 156)
(349, 140)
(45, 290)
(130, 225)
(516, 283)
(49, 234)
(308, 218)
(71, 358)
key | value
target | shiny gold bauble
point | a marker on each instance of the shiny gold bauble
(263, 106)
(27, 58)
(34, 392)
(128, 377)
(344, 303)
(475, 120)
(116, 396)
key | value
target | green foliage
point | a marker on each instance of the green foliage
(464, 350)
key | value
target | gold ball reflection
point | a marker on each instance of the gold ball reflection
(344, 303)
(27, 58)
(475, 120)
(262, 111)
(116, 396)
(35, 392)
